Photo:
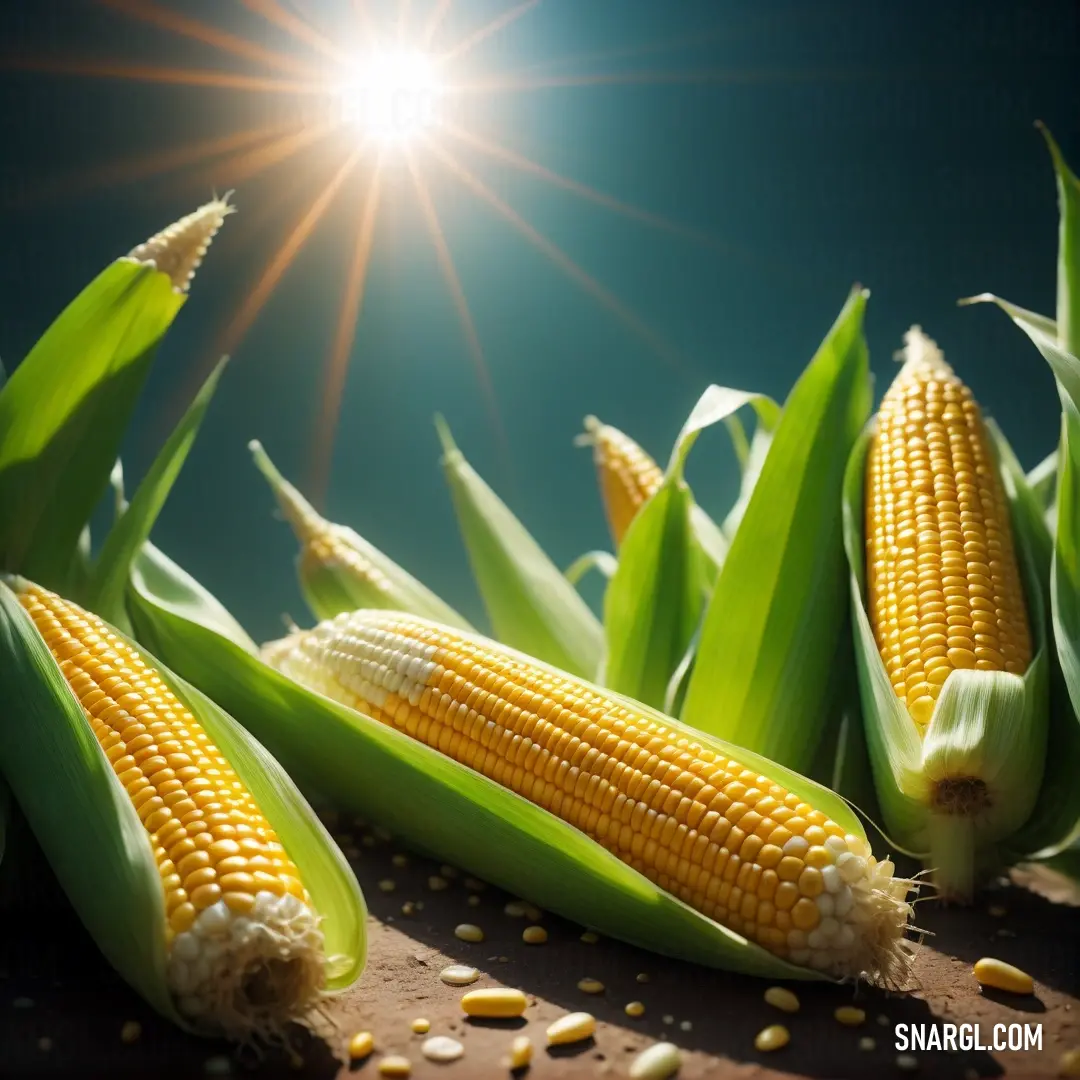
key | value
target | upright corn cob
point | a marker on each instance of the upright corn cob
(244, 948)
(943, 582)
(628, 477)
(734, 845)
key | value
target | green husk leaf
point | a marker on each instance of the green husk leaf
(989, 726)
(602, 561)
(451, 812)
(366, 579)
(97, 846)
(108, 584)
(64, 410)
(654, 601)
(778, 608)
(530, 603)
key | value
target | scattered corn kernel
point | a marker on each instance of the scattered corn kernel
(131, 1031)
(494, 1002)
(773, 1037)
(590, 938)
(421, 1026)
(850, 1015)
(1002, 976)
(868, 1042)
(1069, 1063)
(467, 932)
(634, 1008)
(400, 861)
(642, 976)
(436, 883)
(907, 1062)
(590, 986)
(534, 935)
(779, 997)
(459, 975)
(571, 1028)
(387, 885)
(361, 1045)
(442, 1048)
(521, 1052)
(395, 1065)
(657, 1062)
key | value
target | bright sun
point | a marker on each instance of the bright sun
(392, 95)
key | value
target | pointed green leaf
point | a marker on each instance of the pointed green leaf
(531, 605)
(90, 831)
(452, 812)
(654, 601)
(778, 608)
(105, 595)
(339, 570)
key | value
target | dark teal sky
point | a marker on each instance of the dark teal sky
(887, 144)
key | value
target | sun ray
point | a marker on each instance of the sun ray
(604, 296)
(203, 77)
(434, 19)
(182, 25)
(274, 13)
(242, 321)
(609, 202)
(496, 24)
(246, 164)
(457, 293)
(338, 364)
(145, 166)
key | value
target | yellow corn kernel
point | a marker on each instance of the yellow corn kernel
(465, 695)
(222, 866)
(943, 581)
(628, 477)
(780, 997)
(1002, 976)
(574, 1027)
(361, 1045)
(521, 1052)
(657, 1062)
(774, 1037)
(494, 1002)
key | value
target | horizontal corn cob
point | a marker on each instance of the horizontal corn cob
(628, 476)
(943, 580)
(732, 844)
(244, 948)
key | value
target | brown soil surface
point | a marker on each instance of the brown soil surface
(62, 1008)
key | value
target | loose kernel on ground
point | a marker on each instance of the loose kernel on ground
(779, 997)
(634, 1009)
(571, 1028)
(459, 975)
(469, 932)
(361, 1045)
(494, 1002)
(395, 1066)
(421, 1026)
(657, 1062)
(850, 1015)
(772, 1038)
(1002, 976)
(590, 986)
(131, 1031)
(534, 935)
(521, 1052)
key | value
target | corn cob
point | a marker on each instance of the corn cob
(628, 476)
(943, 580)
(734, 845)
(243, 943)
